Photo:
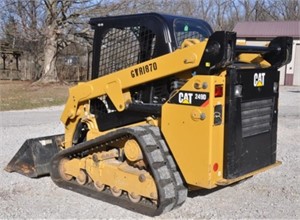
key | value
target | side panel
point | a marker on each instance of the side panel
(250, 120)
(192, 124)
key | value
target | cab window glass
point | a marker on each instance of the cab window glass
(185, 29)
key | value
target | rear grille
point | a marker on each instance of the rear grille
(256, 117)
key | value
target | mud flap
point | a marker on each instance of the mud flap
(33, 158)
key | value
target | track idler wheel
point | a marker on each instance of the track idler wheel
(62, 170)
(132, 150)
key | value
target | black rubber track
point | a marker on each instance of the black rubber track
(170, 191)
(181, 189)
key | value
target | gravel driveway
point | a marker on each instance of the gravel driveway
(273, 194)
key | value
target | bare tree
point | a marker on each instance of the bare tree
(55, 24)
(62, 18)
(45, 27)
(285, 10)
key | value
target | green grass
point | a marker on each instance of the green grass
(17, 95)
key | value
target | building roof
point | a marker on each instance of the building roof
(268, 29)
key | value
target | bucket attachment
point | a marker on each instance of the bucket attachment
(34, 156)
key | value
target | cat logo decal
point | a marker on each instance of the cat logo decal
(259, 79)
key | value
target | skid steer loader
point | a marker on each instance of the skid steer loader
(172, 106)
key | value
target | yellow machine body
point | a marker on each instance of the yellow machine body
(196, 143)
(194, 110)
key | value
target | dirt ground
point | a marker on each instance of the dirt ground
(16, 95)
(274, 194)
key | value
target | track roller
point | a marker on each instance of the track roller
(82, 178)
(115, 191)
(99, 186)
(134, 198)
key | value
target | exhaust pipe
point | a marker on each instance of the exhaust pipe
(33, 158)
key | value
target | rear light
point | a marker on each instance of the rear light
(275, 87)
(218, 91)
(238, 91)
(216, 167)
